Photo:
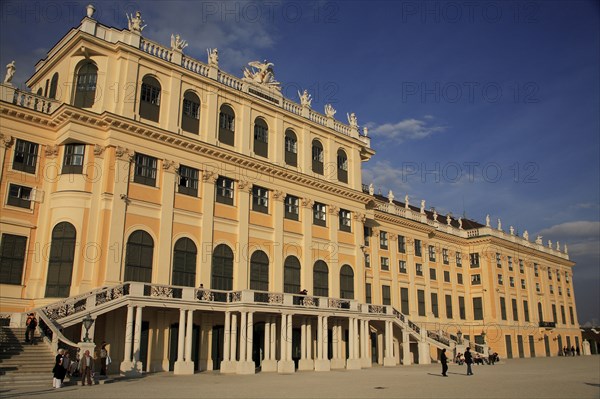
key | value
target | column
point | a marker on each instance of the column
(233, 354)
(306, 362)
(137, 339)
(126, 364)
(269, 364)
(227, 338)
(388, 359)
(249, 336)
(322, 363)
(286, 364)
(303, 339)
(246, 365)
(243, 327)
(338, 360)
(267, 344)
(319, 337)
(406, 355)
(365, 358)
(188, 336)
(273, 339)
(181, 335)
(289, 338)
(354, 362)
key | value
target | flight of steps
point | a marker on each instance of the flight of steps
(23, 364)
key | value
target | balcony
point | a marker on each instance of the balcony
(547, 324)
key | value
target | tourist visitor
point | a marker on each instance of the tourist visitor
(86, 367)
(469, 361)
(31, 325)
(444, 361)
(58, 371)
(104, 358)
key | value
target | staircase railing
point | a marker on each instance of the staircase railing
(52, 334)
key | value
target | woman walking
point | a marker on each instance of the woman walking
(59, 370)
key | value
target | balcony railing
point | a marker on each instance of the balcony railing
(547, 324)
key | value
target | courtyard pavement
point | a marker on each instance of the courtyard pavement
(557, 377)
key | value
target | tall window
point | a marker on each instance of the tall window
(474, 257)
(385, 263)
(461, 307)
(138, 260)
(449, 306)
(260, 199)
(291, 275)
(188, 180)
(419, 269)
(60, 265)
(346, 282)
(367, 235)
(19, 196)
(418, 248)
(571, 315)
(445, 258)
(404, 301)
(536, 269)
(562, 314)
(150, 99)
(317, 157)
(85, 89)
(540, 312)
(342, 166)
(321, 278)
(12, 258)
(554, 317)
(477, 308)
(386, 298)
(368, 293)
(367, 261)
(25, 157)
(145, 169)
(446, 276)
(291, 148)
(421, 302)
(515, 310)
(259, 271)
(521, 266)
(319, 214)
(292, 210)
(431, 253)
(476, 279)
(498, 260)
(402, 266)
(53, 86)
(434, 304)
(401, 244)
(224, 190)
(344, 217)
(261, 138)
(458, 259)
(432, 274)
(222, 268)
(226, 125)
(383, 240)
(190, 112)
(503, 308)
(510, 263)
(184, 263)
(526, 310)
(459, 278)
(73, 161)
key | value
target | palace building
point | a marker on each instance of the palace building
(185, 210)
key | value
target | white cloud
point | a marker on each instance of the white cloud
(407, 129)
(385, 177)
(579, 229)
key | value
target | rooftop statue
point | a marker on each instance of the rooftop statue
(261, 73)
(460, 223)
(487, 220)
(448, 219)
(526, 235)
(406, 202)
(390, 196)
(538, 240)
(135, 22)
(10, 72)
(90, 10)
(329, 111)
(366, 131)
(435, 215)
(566, 249)
(512, 231)
(557, 246)
(213, 57)
(422, 210)
(177, 44)
(549, 244)
(305, 98)
(352, 120)
(499, 224)
(371, 189)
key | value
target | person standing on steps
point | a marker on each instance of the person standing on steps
(444, 361)
(31, 324)
(469, 361)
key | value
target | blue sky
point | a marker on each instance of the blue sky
(506, 93)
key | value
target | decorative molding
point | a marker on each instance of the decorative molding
(51, 151)
(209, 176)
(6, 140)
(333, 210)
(169, 166)
(99, 150)
(244, 185)
(307, 203)
(359, 217)
(123, 154)
(278, 195)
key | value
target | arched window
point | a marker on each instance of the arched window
(226, 125)
(138, 259)
(60, 265)
(85, 89)
(342, 166)
(184, 263)
(346, 282)
(54, 85)
(317, 157)
(222, 268)
(261, 138)
(259, 271)
(291, 148)
(150, 98)
(190, 112)
(39, 91)
(321, 278)
(291, 275)
(540, 313)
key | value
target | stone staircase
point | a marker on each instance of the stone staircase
(24, 364)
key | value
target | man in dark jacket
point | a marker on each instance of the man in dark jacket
(444, 361)
(469, 361)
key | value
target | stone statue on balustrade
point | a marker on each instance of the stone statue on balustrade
(435, 215)
(352, 120)
(371, 189)
(406, 201)
(487, 220)
(448, 219)
(499, 224)
(135, 22)
(10, 72)
(422, 210)
(460, 224)
(526, 235)
(366, 131)
(390, 196)
(329, 111)
(177, 44)
(305, 98)
(213, 57)
(261, 73)
(538, 240)
(512, 230)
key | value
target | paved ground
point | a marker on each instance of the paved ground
(570, 377)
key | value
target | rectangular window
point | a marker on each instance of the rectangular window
(291, 145)
(461, 307)
(401, 244)
(477, 308)
(188, 180)
(476, 279)
(419, 269)
(418, 248)
(402, 266)
(537, 287)
(19, 196)
(503, 308)
(145, 170)
(551, 289)
(385, 295)
(150, 94)
(319, 214)
(500, 281)
(445, 258)
(261, 133)
(432, 274)
(367, 235)
(554, 317)
(434, 304)
(536, 269)
(571, 315)
(224, 190)
(25, 157)
(510, 263)
(511, 281)
(562, 314)
(526, 310)
(421, 302)
(559, 290)
(73, 161)
(367, 260)
(12, 259)
(498, 260)
(515, 311)
(292, 210)
(549, 274)
(568, 292)
(431, 253)
(458, 259)
(383, 240)
(567, 277)
(521, 266)
(260, 199)
(344, 217)
(474, 257)
(385, 263)
(557, 275)
(459, 278)
(523, 283)
(368, 293)
(449, 306)
(446, 276)
(404, 300)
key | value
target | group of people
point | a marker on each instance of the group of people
(468, 359)
(81, 366)
(566, 351)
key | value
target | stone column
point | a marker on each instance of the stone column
(137, 340)
(286, 364)
(354, 362)
(228, 365)
(322, 363)
(184, 363)
(273, 339)
(249, 336)
(127, 365)
(181, 335)
(268, 364)
(303, 339)
(365, 358)
(189, 331)
(406, 355)
(338, 360)
(306, 362)
(388, 359)
(227, 338)
(244, 366)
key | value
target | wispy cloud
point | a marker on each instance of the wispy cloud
(407, 129)
(385, 177)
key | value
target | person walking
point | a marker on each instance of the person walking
(86, 366)
(31, 325)
(444, 361)
(103, 358)
(469, 361)
(58, 371)
(572, 351)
